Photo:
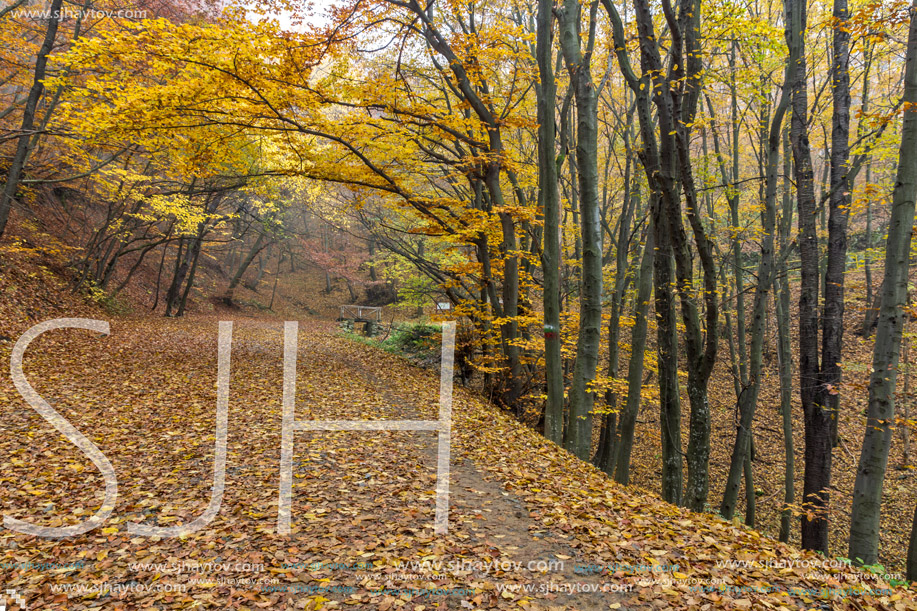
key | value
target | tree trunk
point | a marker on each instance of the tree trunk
(904, 428)
(701, 351)
(328, 287)
(178, 277)
(785, 366)
(246, 262)
(263, 257)
(867, 491)
(184, 275)
(871, 318)
(733, 200)
(162, 264)
(587, 347)
(195, 253)
(608, 440)
(817, 422)
(839, 206)
(510, 328)
(276, 280)
(784, 349)
(750, 482)
(17, 165)
(635, 367)
(911, 574)
(864, 108)
(372, 255)
(674, 86)
(667, 359)
(749, 395)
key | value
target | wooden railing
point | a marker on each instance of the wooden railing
(358, 312)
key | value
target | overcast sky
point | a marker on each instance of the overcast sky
(318, 8)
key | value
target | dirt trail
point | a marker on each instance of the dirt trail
(363, 502)
(548, 563)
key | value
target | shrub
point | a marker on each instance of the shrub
(415, 337)
(380, 294)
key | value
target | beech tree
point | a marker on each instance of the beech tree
(549, 202)
(578, 61)
(674, 87)
(880, 413)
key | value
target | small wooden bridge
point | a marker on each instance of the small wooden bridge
(369, 316)
(358, 313)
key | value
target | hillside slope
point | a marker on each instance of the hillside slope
(363, 502)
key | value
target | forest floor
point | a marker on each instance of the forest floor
(900, 490)
(529, 525)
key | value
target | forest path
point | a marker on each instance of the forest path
(490, 518)
(530, 526)
(362, 504)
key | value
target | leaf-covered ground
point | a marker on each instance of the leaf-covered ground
(363, 502)
(900, 490)
(530, 527)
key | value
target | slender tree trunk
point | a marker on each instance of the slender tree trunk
(911, 574)
(748, 399)
(195, 253)
(184, 275)
(635, 366)
(733, 356)
(609, 436)
(510, 306)
(162, 263)
(817, 421)
(701, 351)
(880, 413)
(328, 287)
(17, 166)
(667, 359)
(243, 266)
(864, 108)
(784, 350)
(872, 313)
(276, 280)
(903, 424)
(178, 276)
(674, 86)
(263, 257)
(867, 260)
(785, 366)
(660, 161)
(750, 482)
(550, 204)
(588, 343)
(839, 206)
(372, 266)
(733, 199)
